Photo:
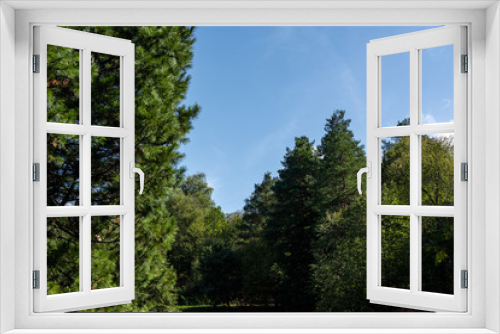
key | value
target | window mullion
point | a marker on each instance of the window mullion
(414, 171)
(82, 239)
(86, 171)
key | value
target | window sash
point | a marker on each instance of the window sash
(85, 298)
(414, 298)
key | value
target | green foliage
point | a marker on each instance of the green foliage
(437, 232)
(63, 254)
(105, 252)
(63, 85)
(341, 157)
(395, 171)
(339, 267)
(340, 261)
(437, 170)
(437, 254)
(63, 168)
(395, 241)
(291, 228)
(163, 55)
(219, 266)
(105, 89)
(257, 258)
(198, 220)
(257, 209)
(298, 245)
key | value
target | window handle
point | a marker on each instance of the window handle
(368, 171)
(141, 175)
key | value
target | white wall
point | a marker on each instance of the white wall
(481, 165)
(492, 163)
(7, 160)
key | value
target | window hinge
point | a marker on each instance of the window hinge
(36, 279)
(36, 172)
(465, 279)
(465, 64)
(36, 63)
(464, 171)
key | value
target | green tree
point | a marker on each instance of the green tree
(256, 256)
(219, 267)
(339, 269)
(198, 220)
(339, 251)
(291, 229)
(257, 209)
(437, 232)
(163, 56)
(437, 170)
(341, 157)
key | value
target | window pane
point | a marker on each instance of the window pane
(63, 170)
(437, 84)
(63, 252)
(437, 254)
(105, 89)
(395, 89)
(105, 171)
(396, 252)
(105, 252)
(437, 169)
(63, 84)
(395, 171)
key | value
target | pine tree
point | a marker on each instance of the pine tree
(256, 209)
(291, 229)
(163, 55)
(339, 269)
(256, 256)
(341, 157)
(339, 251)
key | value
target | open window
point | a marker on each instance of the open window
(420, 232)
(84, 165)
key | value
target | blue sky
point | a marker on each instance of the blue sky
(260, 87)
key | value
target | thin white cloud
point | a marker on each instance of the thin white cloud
(446, 103)
(428, 119)
(352, 87)
(214, 183)
(271, 142)
(448, 136)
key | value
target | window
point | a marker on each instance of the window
(74, 198)
(425, 209)
(64, 191)
(482, 231)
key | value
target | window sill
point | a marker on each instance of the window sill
(250, 331)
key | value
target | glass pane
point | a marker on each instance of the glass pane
(395, 89)
(105, 85)
(63, 85)
(437, 169)
(105, 252)
(437, 254)
(63, 255)
(396, 252)
(63, 170)
(105, 171)
(395, 171)
(437, 84)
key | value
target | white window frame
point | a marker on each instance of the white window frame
(414, 43)
(87, 43)
(16, 21)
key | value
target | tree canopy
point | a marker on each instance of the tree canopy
(299, 242)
